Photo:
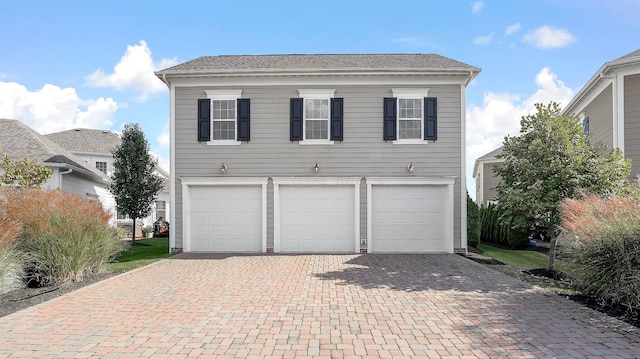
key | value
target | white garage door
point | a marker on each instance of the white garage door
(408, 218)
(226, 218)
(317, 218)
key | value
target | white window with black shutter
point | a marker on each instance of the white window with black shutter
(316, 117)
(224, 118)
(410, 117)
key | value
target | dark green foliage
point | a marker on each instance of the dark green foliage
(473, 226)
(134, 182)
(504, 231)
(552, 160)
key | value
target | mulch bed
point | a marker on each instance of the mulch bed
(26, 297)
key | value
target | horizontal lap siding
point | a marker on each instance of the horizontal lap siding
(600, 113)
(490, 181)
(632, 121)
(362, 153)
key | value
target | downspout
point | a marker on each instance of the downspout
(63, 173)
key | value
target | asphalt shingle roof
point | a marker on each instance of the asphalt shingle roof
(84, 140)
(238, 63)
(629, 55)
(18, 140)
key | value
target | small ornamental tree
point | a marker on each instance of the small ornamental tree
(550, 161)
(23, 173)
(134, 182)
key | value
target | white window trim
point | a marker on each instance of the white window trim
(312, 181)
(410, 94)
(224, 95)
(189, 182)
(323, 94)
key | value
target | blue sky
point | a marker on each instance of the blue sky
(70, 64)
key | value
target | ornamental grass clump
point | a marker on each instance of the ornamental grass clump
(65, 235)
(607, 247)
(12, 261)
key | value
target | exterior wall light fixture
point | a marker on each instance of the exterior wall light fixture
(411, 167)
(316, 168)
(224, 168)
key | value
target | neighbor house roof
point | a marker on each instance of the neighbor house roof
(18, 140)
(600, 77)
(85, 140)
(318, 63)
(491, 156)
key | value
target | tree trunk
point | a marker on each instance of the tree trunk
(133, 233)
(552, 253)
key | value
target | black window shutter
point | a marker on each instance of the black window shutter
(204, 119)
(295, 131)
(244, 119)
(336, 119)
(389, 127)
(430, 118)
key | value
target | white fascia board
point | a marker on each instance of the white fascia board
(420, 181)
(312, 81)
(313, 181)
(223, 181)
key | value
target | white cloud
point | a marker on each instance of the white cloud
(164, 137)
(477, 6)
(483, 40)
(512, 29)
(52, 109)
(134, 72)
(548, 37)
(500, 114)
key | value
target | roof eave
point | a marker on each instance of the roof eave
(75, 168)
(596, 79)
(282, 72)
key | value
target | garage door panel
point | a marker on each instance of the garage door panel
(317, 218)
(408, 218)
(226, 218)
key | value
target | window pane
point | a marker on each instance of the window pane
(224, 130)
(410, 109)
(316, 108)
(224, 109)
(409, 129)
(317, 130)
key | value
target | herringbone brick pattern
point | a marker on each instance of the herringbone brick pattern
(320, 306)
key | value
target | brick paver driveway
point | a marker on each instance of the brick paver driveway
(388, 306)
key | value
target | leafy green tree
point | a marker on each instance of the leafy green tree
(24, 173)
(552, 160)
(134, 182)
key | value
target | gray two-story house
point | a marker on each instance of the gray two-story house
(608, 106)
(318, 153)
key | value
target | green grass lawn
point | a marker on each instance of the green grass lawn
(521, 258)
(514, 257)
(151, 250)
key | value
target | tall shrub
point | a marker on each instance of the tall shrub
(472, 222)
(607, 247)
(67, 236)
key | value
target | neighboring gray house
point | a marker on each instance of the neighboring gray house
(70, 172)
(95, 147)
(486, 178)
(609, 107)
(318, 153)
